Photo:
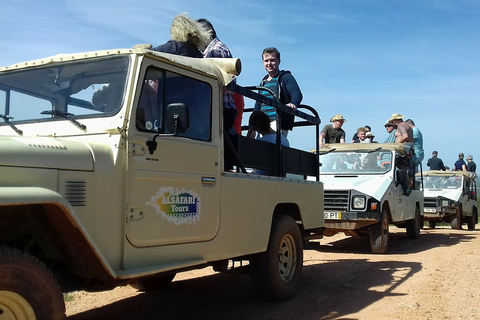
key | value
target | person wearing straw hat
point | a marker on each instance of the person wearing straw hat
(404, 132)
(333, 133)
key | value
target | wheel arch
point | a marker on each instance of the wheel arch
(386, 205)
(292, 210)
(47, 231)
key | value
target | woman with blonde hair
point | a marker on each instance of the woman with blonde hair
(188, 37)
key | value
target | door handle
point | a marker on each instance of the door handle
(210, 181)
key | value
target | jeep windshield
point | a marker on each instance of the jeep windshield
(357, 162)
(443, 182)
(55, 91)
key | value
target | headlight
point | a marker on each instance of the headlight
(445, 203)
(358, 202)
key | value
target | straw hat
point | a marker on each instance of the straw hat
(337, 117)
(396, 116)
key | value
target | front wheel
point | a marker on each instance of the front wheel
(456, 222)
(276, 272)
(28, 289)
(414, 225)
(379, 234)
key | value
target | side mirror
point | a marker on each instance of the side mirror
(178, 120)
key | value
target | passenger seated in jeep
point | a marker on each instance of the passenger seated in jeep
(260, 122)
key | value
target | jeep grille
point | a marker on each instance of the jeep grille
(430, 202)
(76, 193)
(336, 200)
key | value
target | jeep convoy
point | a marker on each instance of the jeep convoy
(450, 196)
(113, 173)
(367, 187)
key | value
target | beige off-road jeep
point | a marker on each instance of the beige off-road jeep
(450, 196)
(112, 172)
(367, 187)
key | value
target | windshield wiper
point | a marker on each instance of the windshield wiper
(65, 115)
(7, 118)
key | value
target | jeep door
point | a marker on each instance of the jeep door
(173, 191)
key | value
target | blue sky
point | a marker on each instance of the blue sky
(363, 59)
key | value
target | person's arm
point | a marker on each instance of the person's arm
(464, 167)
(168, 47)
(293, 90)
(321, 140)
(442, 166)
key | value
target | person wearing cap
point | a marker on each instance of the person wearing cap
(369, 136)
(391, 129)
(333, 133)
(404, 132)
(471, 165)
(417, 144)
(460, 164)
(435, 163)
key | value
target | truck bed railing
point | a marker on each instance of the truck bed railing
(275, 158)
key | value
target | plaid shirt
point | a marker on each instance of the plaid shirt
(391, 137)
(218, 49)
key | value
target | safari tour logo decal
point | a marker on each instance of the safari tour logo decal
(177, 206)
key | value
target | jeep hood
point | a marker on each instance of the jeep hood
(452, 194)
(45, 152)
(373, 186)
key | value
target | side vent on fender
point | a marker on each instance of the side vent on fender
(76, 193)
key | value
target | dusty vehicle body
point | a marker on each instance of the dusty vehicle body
(112, 169)
(366, 189)
(450, 196)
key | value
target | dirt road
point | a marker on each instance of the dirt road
(434, 277)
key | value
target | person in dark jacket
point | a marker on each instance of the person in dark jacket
(285, 87)
(188, 38)
(435, 163)
(471, 165)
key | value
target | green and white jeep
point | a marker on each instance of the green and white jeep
(450, 196)
(367, 187)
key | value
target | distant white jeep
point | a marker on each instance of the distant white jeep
(367, 187)
(450, 196)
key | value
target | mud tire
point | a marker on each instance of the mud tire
(276, 273)
(27, 286)
(379, 234)
(414, 225)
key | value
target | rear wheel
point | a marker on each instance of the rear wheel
(28, 289)
(432, 224)
(413, 225)
(379, 234)
(276, 272)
